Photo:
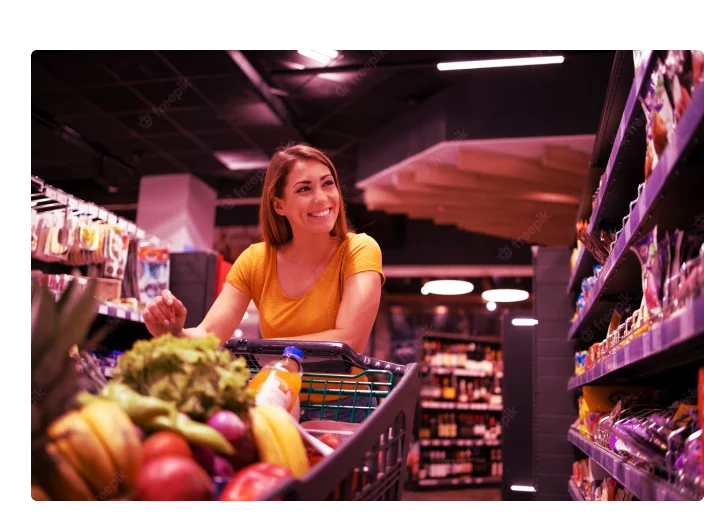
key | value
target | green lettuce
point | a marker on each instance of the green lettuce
(195, 374)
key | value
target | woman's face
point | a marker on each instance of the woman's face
(310, 200)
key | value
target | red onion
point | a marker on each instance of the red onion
(229, 425)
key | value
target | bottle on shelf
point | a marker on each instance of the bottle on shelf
(462, 392)
(279, 382)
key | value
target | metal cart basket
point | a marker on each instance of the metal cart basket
(371, 464)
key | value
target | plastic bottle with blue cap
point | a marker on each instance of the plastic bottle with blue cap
(279, 382)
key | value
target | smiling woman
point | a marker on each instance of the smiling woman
(311, 278)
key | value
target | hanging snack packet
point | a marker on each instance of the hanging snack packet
(678, 67)
(647, 251)
(659, 118)
(697, 69)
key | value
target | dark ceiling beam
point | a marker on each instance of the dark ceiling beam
(140, 82)
(265, 91)
(352, 68)
(102, 153)
(165, 115)
(130, 132)
(215, 108)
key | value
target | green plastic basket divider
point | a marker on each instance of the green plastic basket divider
(332, 388)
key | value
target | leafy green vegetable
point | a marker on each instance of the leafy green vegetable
(195, 374)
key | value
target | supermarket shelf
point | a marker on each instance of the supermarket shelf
(638, 481)
(459, 442)
(120, 312)
(456, 406)
(654, 207)
(457, 481)
(456, 371)
(113, 310)
(669, 344)
(574, 491)
(620, 183)
(583, 268)
(462, 337)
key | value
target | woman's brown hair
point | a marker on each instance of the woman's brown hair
(276, 229)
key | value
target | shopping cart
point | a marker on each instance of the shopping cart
(371, 463)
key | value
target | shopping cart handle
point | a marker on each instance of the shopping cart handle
(378, 364)
(320, 356)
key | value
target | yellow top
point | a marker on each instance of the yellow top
(254, 273)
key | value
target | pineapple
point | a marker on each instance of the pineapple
(56, 327)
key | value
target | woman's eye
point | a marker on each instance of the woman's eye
(328, 182)
(302, 189)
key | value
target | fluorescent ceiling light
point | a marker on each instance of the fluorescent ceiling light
(447, 287)
(505, 295)
(491, 306)
(322, 57)
(530, 489)
(524, 321)
(499, 63)
(243, 160)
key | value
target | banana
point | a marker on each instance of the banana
(38, 493)
(115, 429)
(63, 480)
(266, 439)
(77, 442)
(289, 438)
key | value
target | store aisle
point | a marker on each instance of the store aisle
(475, 494)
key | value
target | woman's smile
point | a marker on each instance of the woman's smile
(321, 214)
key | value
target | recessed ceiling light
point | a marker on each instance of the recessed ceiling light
(505, 295)
(530, 489)
(441, 310)
(238, 333)
(243, 160)
(499, 63)
(322, 57)
(524, 321)
(447, 287)
(491, 306)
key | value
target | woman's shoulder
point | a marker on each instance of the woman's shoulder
(257, 252)
(361, 240)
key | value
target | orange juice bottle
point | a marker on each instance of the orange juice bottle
(279, 382)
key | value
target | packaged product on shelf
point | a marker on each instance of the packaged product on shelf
(678, 66)
(649, 257)
(154, 272)
(659, 118)
(697, 68)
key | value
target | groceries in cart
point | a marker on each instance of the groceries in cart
(184, 419)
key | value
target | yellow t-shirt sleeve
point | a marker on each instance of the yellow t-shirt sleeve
(240, 274)
(364, 254)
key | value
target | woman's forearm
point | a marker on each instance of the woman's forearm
(193, 332)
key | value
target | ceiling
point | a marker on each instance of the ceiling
(524, 188)
(103, 119)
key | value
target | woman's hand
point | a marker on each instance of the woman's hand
(165, 314)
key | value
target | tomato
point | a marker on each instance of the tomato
(174, 478)
(165, 443)
(255, 481)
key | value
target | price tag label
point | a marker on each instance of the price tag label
(103, 215)
(50, 193)
(687, 323)
(92, 210)
(140, 233)
(73, 203)
(645, 341)
(657, 337)
(112, 219)
(61, 197)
